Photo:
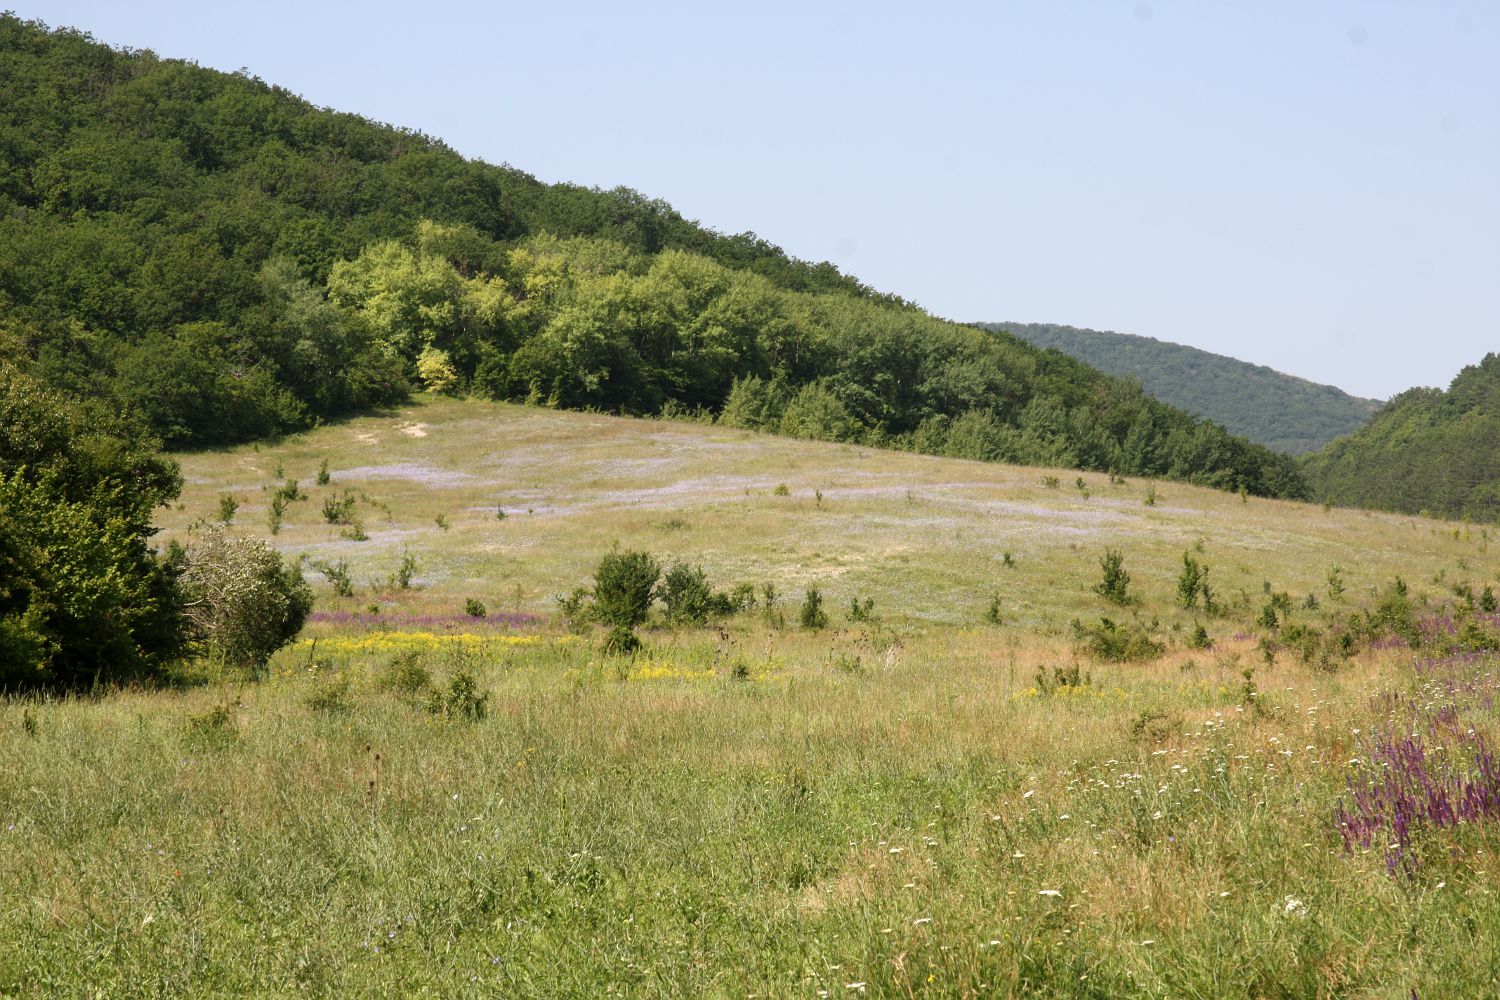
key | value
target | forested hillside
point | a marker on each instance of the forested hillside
(1426, 450)
(224, 261)
(1268, 407)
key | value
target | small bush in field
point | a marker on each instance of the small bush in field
(992, 613)
(337, 575)
(406, 675)
(339, 509)
(1200, 638)
(227, 506)
(323, 477)
(861, 611)
(406, 570)
(1192, 582)
(688, 597)
(475, 608)
(1118, 642)
(1114, 584)
(462, 700)
(624, 585)
(243, 600)
(811, 615)
(1061, 679)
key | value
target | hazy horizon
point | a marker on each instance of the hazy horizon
(1308, 189)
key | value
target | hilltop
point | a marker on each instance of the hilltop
(1426, 450)
(1280, 411)
(224, 262)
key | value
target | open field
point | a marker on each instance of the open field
(899, 807)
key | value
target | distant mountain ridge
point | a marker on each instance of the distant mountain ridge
(1283, 412)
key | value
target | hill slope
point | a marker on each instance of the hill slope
(1426, 450)
(1280, 411)
(228, 262)
(924, 535)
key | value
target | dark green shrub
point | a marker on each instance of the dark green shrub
(992, 613)
(1393, 615)
(275, 513)
(861, 611)
(323, 477)
(1114, 584)
(290, 491)
(1268, 617)
(1487, 602)
(474, 608)
(227, 507)
(811, 615)
(1118, 642)
(688, 598)
(624, 584)
(621, 641)
(462, 700)
(1192, 582)
(339, 508)
(406, 571)
(1200, 638)
(1060, 679)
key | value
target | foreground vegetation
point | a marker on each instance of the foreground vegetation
(1280, 411)
(944, 787)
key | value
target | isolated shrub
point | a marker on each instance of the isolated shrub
(577, 609)
(474, 608)
(406, 571)
(243, 600)
(462, 700)
(1200, 638)
(227, 507)
(339, 508)
(861, 611)
(405, 675)
(688, 598)
(1487, 602)
(1118, 642)
(624, 584)
(337, 575)
(811, 615)
(1114, 583)
(1393, 615)
(323, 477)
(1192, 581)
(1061, 680)
(992, 613)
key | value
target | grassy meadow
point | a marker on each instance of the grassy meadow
(925, 803)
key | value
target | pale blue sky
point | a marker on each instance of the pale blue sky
(1312, 186)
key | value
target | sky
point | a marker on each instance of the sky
(1310, 186)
